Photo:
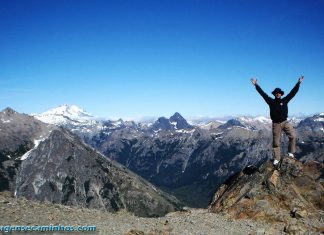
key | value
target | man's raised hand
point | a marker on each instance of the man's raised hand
(254, 81)
(301, 79)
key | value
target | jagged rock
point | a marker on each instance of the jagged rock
(294, 190)
(274, 178)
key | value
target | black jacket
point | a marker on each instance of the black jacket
(278, 107)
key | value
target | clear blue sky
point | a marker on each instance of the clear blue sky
(127, 58)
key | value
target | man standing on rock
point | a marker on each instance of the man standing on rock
(279, 113)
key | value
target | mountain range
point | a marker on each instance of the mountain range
(186, 160)
(49, 163)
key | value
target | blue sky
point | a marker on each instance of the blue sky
(127, 58)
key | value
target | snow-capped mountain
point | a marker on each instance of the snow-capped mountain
(64, 114)
(71, 117)
(79, 121)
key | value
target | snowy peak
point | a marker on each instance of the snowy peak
(71, 111)
(65, 114)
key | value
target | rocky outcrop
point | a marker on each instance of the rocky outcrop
(292, 195)
(62, 169)
(18, 133)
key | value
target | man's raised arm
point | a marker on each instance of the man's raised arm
(261, 92)
(293, 92)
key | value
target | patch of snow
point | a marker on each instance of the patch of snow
(218, 133)
(245, 128)
(320, 119)
(174, 124)
(118, 123)
(245, 119)
(154, 188)
(185, 131)
(5, 121)
(263, 119)
(220, 137)
(36, 143)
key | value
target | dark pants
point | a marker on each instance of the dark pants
(277, 128)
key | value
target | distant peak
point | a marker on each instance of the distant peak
(176, 115)
(68, 110)
(8, 111)
(181, 122)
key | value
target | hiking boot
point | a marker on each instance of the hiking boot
(291, 155)
(275, 162)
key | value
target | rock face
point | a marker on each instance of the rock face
(64, 170)
(293, 195)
